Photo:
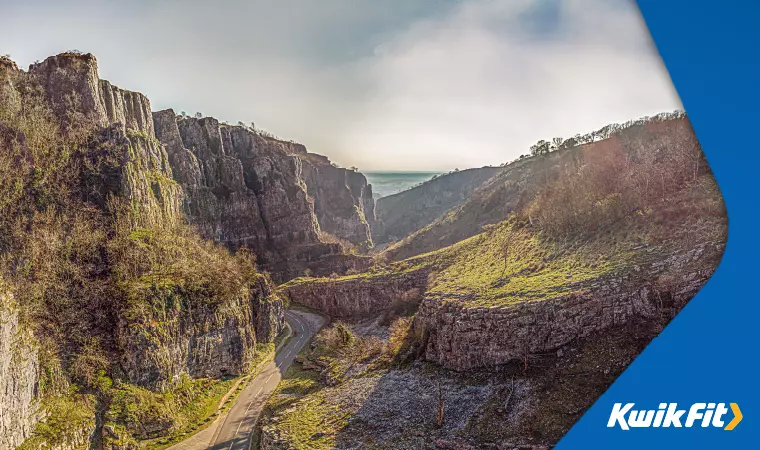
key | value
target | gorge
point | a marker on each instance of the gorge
(149, 258)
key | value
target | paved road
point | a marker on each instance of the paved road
(235, 432)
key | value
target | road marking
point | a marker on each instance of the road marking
(298, 344)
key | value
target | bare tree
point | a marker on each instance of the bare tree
(440, 410)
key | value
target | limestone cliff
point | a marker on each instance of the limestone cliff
(117, 167)
(19, 375)
(245, 189)
(161, 344)
(199, 342)
(74, 88)
(460, 337)
(138, 168)
(357, 297)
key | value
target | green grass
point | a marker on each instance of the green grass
(507, 264)
(175, 412)
(71, 415)
(512, 262)
(304, 415)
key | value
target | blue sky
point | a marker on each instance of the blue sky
(382, 85)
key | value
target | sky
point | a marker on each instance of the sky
(380, 85)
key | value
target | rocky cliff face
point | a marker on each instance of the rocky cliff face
(401, 214)
(170, 334)
(245, 189)
(139, 168)
(357, 297)
(160, 345)
(342, 200)
(169, 340)
(460, 337)
(19, 376)
(74, 88)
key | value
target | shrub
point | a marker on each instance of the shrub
(591, 186)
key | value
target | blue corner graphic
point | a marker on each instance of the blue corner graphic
(709, 351)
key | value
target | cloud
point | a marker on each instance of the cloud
(380, 85)
(484, 83)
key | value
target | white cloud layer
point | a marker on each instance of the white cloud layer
(412, 85)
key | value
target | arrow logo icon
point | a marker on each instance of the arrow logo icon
(737, 417)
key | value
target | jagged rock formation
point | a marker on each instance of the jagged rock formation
(173, 332)
(244, 189)
(73, 86)
(19, 376)
(357, 297)
(209, 341)
(401, 214)
(142, 173)
(140, 169)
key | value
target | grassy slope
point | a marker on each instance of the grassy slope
(537, 268)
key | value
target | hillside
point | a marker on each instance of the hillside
(400, 214)
(512, 188)
(524, 323)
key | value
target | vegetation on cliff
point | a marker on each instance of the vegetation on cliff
(90, 242)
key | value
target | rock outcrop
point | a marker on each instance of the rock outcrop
(460, 337)
(74, 88)
(159, 346)
(19, 376)
(401, 214)
(138, 168)
(359, 296)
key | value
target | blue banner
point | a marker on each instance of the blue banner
(705, 360)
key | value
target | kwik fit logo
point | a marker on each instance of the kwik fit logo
(669, 415)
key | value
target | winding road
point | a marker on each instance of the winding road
(234, 430)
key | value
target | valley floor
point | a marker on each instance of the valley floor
(350, 400)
